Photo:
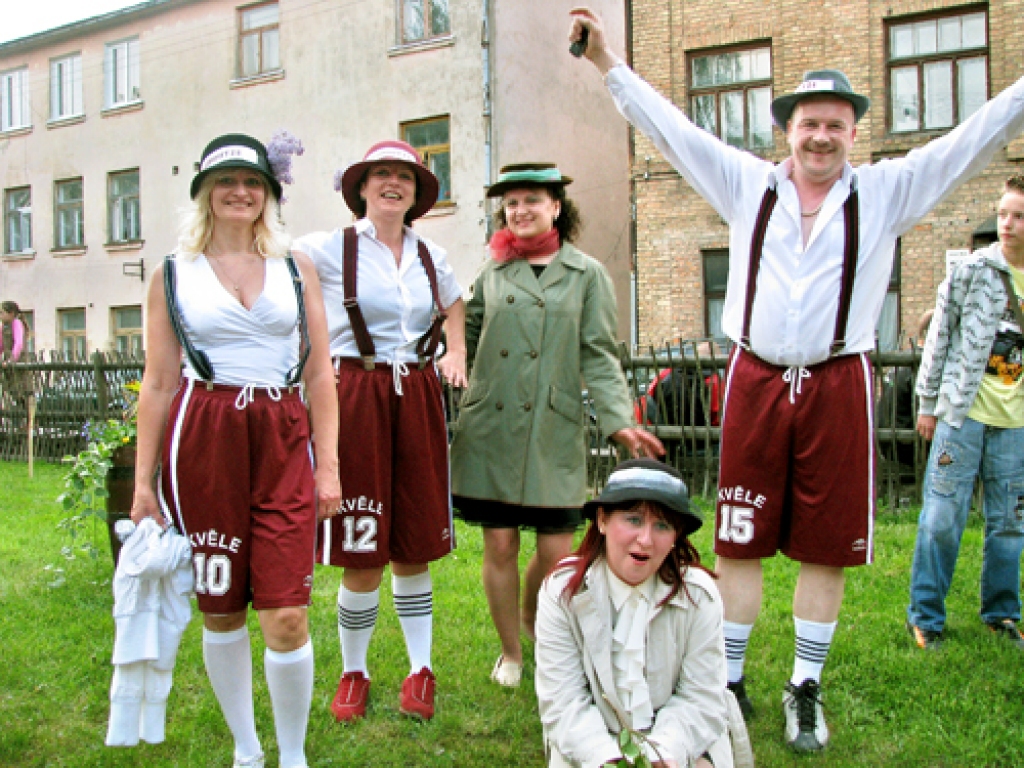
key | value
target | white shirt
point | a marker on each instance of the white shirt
(246, 346)
(794, 314)
(631, 608)
(395, 300)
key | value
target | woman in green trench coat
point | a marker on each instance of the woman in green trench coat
(539, 327)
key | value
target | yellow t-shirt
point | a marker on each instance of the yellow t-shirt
(1000, 399)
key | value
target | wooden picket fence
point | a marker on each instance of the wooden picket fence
(63, 396)
(683, 410)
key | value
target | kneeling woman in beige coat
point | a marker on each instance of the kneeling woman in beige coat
(629, 633)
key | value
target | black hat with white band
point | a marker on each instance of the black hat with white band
(819, 82)
(235, 150)
(646, 480)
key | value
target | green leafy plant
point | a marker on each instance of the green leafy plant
(85, 484)
(632, 744)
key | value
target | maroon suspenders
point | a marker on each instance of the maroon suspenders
(426, 347)
(851, 216)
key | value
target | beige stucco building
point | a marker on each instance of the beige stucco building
(103, 121)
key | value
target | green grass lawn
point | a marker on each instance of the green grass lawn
(887, 703)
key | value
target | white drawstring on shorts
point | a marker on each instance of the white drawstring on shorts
(248, 392)
(398, 370)
(794, 376)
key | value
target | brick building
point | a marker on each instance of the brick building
(926, 64)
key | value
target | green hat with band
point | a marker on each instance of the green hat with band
(527, 175)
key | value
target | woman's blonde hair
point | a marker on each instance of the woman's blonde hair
(269, 237)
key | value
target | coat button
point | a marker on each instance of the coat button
(533, 354)
(527, 407)
(540, 302)
(499, 405)
(504, 353)
(510, 299)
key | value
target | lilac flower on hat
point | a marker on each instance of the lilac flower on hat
(280, 148)
(337, 179)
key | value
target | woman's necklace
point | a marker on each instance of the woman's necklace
(236, 284)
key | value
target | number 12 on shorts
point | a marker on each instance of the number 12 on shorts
(737, 524)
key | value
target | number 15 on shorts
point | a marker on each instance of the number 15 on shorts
(737, 524)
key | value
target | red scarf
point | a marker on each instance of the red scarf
(507, 247)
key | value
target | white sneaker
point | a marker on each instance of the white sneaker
(507, 673)
(805, 722)
(249, 762)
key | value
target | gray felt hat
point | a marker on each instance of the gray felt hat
(819, 82)
(647, 480)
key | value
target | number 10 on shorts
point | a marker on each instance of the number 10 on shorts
(737, 524)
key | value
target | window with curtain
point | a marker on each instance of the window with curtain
(68, 214)
(432, 139)
(731, 95)
(259, 40)
(423, 19)
(938, 70)
(124, 208)
(14, 103)
(66, 87)
(121, 76)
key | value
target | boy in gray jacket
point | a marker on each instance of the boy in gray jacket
(972, 408)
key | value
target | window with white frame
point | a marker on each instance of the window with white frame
(71, 339)
(423, 19)
(18, 220)
(432, 139)
(127, 325)
(66, 86)
(68, 215)
(14, 105)
(938, 70)
(731, 95)
(121, 73)
(123, 206)
(258, 44)
(716, 276)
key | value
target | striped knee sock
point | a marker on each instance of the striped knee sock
(414, 603)
(357, 616)
(812, 643)
(736, 638)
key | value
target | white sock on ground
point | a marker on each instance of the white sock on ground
(290, 681)
(228, 659)
(736, 638)
(813, 640)
(414, 603)
(357, 616)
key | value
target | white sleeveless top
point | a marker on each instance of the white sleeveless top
(246, 346)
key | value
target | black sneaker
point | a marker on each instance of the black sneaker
(739, 690)
(805, 722)
(1008, 629)
(926, 639)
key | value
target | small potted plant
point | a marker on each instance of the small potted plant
(100, 482)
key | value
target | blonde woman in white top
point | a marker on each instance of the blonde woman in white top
(232, 434)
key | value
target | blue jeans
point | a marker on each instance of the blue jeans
(957, 456)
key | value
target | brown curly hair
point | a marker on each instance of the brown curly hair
(569, 222)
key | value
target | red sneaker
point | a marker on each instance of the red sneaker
(350, 700)
(417, 698)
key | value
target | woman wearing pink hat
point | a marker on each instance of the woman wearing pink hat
(388, 291)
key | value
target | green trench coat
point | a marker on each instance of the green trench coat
(533, 345)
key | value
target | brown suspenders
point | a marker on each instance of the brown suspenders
(426, 347)
(851, 215)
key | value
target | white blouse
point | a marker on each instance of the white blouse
(395, 300)
(257, 346)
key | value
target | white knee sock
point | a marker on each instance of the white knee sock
(290, 681)
(414, 603)
(357, 616)
(812, 643)
(736, 638)
(228, 659)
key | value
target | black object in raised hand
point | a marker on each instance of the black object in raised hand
(578, 48)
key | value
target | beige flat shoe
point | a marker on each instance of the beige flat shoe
(507, 673)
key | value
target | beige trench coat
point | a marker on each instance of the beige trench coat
(685, 672)
(533, 345)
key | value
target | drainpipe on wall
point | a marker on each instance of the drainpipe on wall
(634, 271)
(485, 51)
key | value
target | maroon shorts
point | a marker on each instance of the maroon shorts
(797, 468)
(393, 453)
(239, 484)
